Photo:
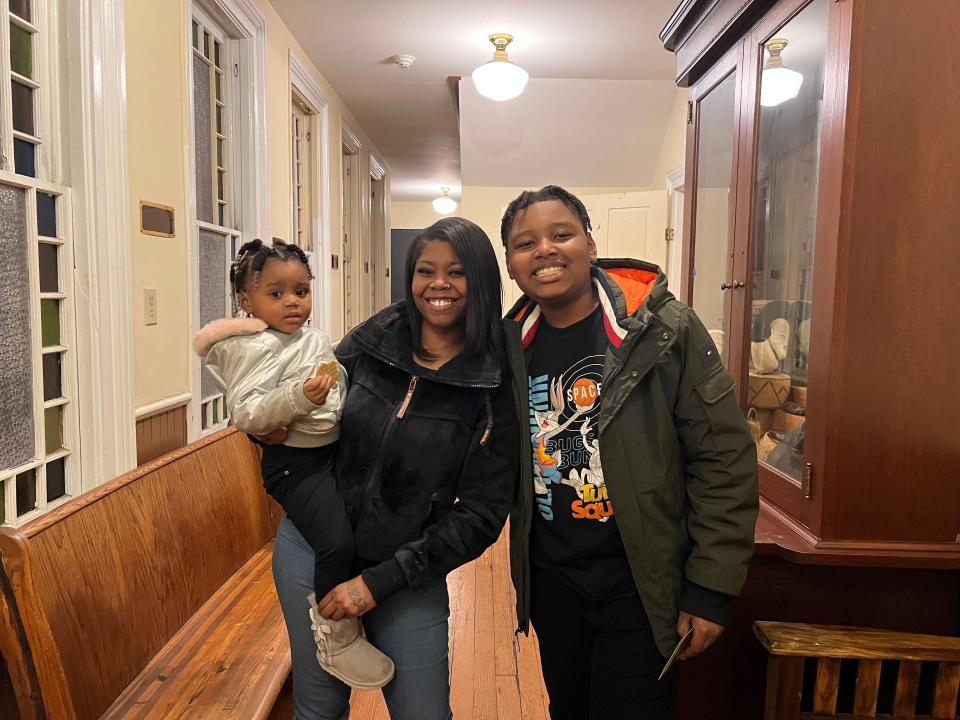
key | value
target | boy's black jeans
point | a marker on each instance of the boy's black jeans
(599, 659)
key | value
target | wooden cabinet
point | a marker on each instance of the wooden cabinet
(822, 249)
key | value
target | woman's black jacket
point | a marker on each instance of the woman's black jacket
(428, 459)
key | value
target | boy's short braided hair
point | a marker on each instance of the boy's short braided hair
(530, 197)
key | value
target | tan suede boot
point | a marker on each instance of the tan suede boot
(344, 653)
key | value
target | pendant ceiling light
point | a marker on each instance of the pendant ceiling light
(444, 204)
(778, 84)
(500, 79)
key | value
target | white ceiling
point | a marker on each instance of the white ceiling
(410, 114)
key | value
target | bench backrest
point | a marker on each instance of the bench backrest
(93, 590)
(794, 645)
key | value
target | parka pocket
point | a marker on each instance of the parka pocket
(714, 387)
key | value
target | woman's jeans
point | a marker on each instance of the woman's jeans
(410, 627)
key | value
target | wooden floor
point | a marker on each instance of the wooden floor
(494, 675)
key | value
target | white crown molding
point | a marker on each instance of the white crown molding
(377, 170)
(242, 17)
(97, 81)
(350, 138)
(303, 81)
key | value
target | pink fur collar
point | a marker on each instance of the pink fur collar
(218, 330)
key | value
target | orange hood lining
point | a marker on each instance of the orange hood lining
(634, 283)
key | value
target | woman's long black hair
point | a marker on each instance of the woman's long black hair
(484, 290)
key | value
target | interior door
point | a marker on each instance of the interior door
(630, 225)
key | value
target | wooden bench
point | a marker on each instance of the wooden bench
(874, 690)
(151, 596)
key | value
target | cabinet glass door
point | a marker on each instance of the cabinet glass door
(784, 233)
(712, 267)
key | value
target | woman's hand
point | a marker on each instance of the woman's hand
(316, 388)
(348, 599)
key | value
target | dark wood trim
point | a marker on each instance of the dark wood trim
(671, 32)
(831, 263)
(700, 32)
(780, 535)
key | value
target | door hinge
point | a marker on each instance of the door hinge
(308, 136)
(236, 70)
(668, 235)
(689, 111)
(807, 486)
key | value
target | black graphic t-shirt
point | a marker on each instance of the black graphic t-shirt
(574, 531)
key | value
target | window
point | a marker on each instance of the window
(301, 172)
(39, 463)
(229, 198)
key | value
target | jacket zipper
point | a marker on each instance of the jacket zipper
(406, 400)
(384, 434)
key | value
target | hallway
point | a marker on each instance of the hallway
(494, 675)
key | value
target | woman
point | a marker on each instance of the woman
(427, 465)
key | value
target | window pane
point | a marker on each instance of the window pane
(21, 8)
(21, 51)
(220, 185)
(21, 97)
(52, 387)
(196, 35)
(201, 131)
(217, 50)
(53, 428)
(26, 492)
(213, 291)
(16, 380)
(24, 160)
(219, 152)
(219, 87)
(46, 214)
(712, 241)
(50, 322)
(48, 268)
(784, 227)
(56, 479)
(220, 120)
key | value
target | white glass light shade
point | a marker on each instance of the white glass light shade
(500, 80)
(778, 85)
(444, 205)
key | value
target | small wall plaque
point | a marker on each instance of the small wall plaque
(156, 219)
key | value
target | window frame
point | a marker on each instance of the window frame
(242, 29)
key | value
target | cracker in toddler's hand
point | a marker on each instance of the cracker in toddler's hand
(329, 368)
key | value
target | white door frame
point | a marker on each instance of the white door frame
(675, 199)
(302, 81)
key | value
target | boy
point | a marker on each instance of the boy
(613, 561)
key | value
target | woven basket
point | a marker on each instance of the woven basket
(766, 445)
(768, 391)
(753, 424)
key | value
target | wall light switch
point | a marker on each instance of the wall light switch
(150, 306)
